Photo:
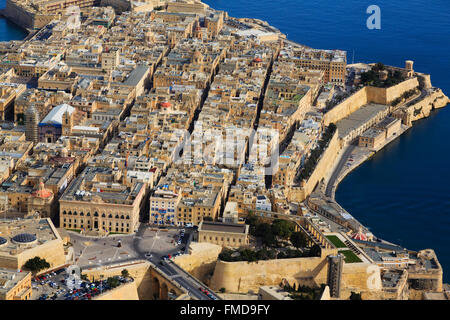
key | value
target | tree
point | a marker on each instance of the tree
(253, 221)
(315, 251)
(36, 264)
(378, 67)
(298, 240)
(112, 282)
(125, 273)
(282, 228)
(207, 218)
(222, 290)
(355, 296)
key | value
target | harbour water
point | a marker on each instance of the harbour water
(8, 30)
(401, 193)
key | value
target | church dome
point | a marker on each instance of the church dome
(24, 238)
(42, 192)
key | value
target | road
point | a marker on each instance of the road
(105, 252)
(331, 183)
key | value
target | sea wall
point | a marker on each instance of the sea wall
(368, 95)
(323, 166)
(346, 107)
(422, 109)
(17, 14)
(396, 91)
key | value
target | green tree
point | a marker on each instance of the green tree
(355, 296)
(298, 240)
(225, 255)
(125, 273)
(222, 290)
(253, 221)
(282, 228)
(378, 67)
(36, 264)
(315, 251)
(112, 282)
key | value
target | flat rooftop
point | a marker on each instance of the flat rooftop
(223, 227)
(359, 117)
(40, 229)
(9, 279)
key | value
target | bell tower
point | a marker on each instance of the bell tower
(67, 123)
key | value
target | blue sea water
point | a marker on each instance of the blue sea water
(402, 193)
(8, 30)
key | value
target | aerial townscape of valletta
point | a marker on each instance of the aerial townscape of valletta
(165, 150)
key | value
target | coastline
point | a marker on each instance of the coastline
(7, 18)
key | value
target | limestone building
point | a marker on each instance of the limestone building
(100, 199)
(15, 285)
(163, 206)
(223, 234)
(32, 123)
(25, 239)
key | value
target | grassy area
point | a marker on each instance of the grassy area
(115, 233)
(350, 257)
(74, 230)
(336, 241)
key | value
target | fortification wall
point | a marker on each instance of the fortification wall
(323, 166)
(423, 108)
(118, 5)
(244, 276)
(126, 291)
(346, 107)
(360, 277)
(18, 15)
(201, 261)
(396, 91)
(368, 95)
(51, 251)
(140, 272)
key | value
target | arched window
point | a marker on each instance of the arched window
(117, 216)
(70, 213)
(74, 213)
(88, 214)
(122, 217)
(103, 215)
(95, 214)
(82, 214)
(64, 212)
(110, 215)
(128, 217)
